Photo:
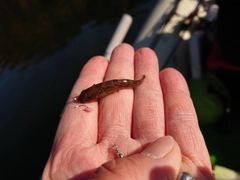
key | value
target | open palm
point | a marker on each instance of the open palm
(129, 118)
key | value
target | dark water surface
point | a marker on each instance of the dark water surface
(43, 46)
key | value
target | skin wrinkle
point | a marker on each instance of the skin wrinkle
(149, 124)
(149, 91)
(149, 111)
(199, 149)
(116, 120)
(108, 113)
(190, 145)
(73, 161)
(176, 90)
(180, 110)
(112, 133)
(55, 164)
(178, 130)
(64, 140)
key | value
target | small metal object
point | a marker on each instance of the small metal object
(186, 176)
(114, 147)
(87, 109)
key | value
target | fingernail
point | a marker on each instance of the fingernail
(160, 148)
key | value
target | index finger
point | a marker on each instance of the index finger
(77, 125)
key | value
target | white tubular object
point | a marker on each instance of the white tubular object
(155, 21)
(119, 34)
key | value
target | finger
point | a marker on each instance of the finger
(76, 125)
(160, 160)
(181, 119)
(115, 110)
(148, 113)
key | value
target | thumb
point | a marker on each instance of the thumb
(160, 160)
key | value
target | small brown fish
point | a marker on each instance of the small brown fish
(100, 90)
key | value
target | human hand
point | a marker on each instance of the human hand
(153, 125)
